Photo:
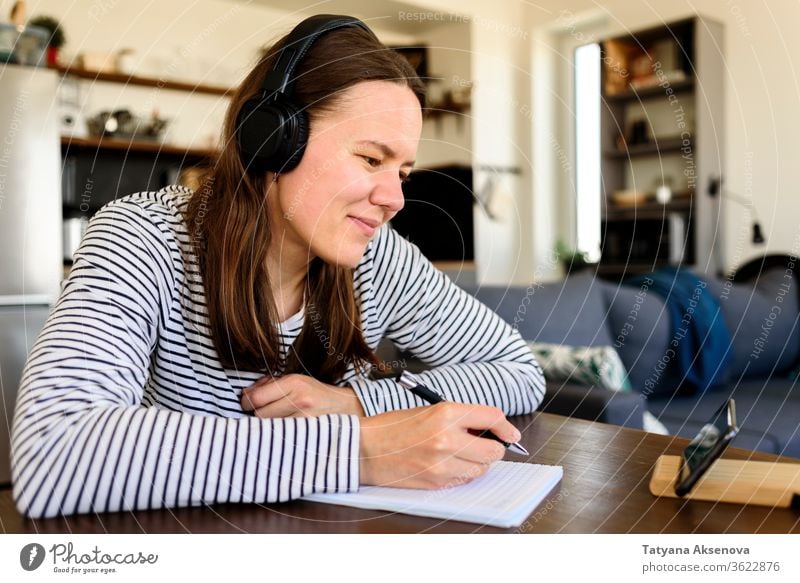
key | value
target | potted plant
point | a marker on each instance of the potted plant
(56, 37)
(572, 259)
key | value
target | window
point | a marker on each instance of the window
(587, 150)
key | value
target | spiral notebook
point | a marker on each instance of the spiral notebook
(504, 496)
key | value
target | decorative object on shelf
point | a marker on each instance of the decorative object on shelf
(8, 40)
(18, 15)
(30, 47)
(435, 90)
(21, 44)
(441, 99)
(638, 133)
(628, 197)
(616, 72)
(646, 60)
(653, 80)
(417, 56)
(663, 194)
(97, 62)
(461, 95)
(635, 134)
(70, 111)
(641, 68)
(664, 191)
(126, 61)
(452, 101)
(123, 124)
(56, 37)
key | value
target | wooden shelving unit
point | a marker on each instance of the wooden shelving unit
(634, 94)
(656, 147)
(435, 110)
(649, 210)
(661, 122)
(109, 144)
(99, 169)
(144, 81)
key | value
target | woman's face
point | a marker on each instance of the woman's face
(348, 182)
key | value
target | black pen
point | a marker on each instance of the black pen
(408, 381)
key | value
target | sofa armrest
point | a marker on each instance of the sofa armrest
(595, 404)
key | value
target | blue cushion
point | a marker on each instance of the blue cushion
(641, 331)
(762, 320)
(572, 311)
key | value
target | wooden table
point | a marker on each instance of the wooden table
(604, 490)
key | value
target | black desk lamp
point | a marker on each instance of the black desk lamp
(715, 187)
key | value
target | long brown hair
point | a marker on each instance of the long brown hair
(229, 223)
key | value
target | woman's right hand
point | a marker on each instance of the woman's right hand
(431, 447)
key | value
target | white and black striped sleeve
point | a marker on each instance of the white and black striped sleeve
(83, 441)
(478, 357)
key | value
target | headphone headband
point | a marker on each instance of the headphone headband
(280, 80)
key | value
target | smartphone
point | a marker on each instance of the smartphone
(706, 447)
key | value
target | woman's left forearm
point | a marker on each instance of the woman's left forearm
(514, 387)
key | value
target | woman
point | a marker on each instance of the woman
(214, 346)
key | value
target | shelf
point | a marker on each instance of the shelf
(682, 203)
(651, 91)
(434, 110)
(143, 81)
(663, 146)
(107, 144)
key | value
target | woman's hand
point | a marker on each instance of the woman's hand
(297, 395)
(431, 447)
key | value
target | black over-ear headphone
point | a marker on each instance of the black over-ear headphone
(272, 129)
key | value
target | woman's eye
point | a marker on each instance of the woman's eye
(374, 162)
(404, 177)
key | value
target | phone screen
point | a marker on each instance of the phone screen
(706, 447)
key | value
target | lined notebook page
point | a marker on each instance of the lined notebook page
(504, 497)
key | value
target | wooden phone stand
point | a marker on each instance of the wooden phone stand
(773, 484)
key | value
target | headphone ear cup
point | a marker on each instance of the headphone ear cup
(271, 136)
(296, 138)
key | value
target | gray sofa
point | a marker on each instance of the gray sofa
(583, 310)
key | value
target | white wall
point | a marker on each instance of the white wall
(502, 139)
(506, 247)
(761, 49)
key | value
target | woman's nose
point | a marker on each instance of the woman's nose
(388, 192)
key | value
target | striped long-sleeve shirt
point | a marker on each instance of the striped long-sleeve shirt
(124, 404)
